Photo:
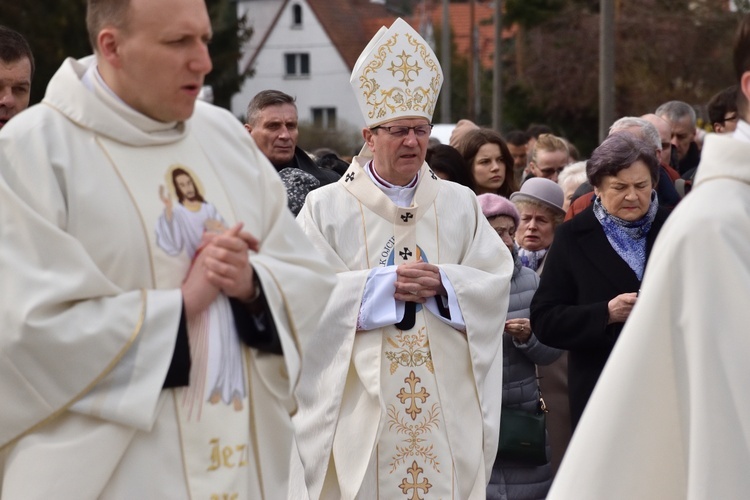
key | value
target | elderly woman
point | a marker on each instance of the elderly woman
(540, 204)
(489, 161)
(594, 270)
(521, 353)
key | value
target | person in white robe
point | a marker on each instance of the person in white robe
(400, 396)
(668, 418)
(108, 338)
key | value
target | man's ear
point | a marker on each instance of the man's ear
(532, 168)
(368, 136)
(108, 44)
(745, 88)
(249, 128)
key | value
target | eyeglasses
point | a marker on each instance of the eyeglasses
(730, 118)
(550, 171)
(402, 131)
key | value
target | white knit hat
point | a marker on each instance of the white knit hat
(396, 76)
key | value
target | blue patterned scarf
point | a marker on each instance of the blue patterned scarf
(530, 258)
(628, 238)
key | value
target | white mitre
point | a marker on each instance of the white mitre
(396, 76)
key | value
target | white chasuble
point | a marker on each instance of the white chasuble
(178, 203)
(411, 422)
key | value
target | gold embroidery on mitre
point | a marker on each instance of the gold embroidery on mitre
(382, 102)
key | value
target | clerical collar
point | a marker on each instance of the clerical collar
(742, 132)
(402, 196)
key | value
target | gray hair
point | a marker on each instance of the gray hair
(647, 130)
(618, 152)
(262, 100)
(675, 111)
(575, 173)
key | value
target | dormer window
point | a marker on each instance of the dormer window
(296, 16)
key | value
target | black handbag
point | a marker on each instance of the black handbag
(523, 435)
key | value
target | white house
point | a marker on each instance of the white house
(307, 48)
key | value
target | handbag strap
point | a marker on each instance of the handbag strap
(542, 404)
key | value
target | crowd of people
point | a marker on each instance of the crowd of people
(494, 318)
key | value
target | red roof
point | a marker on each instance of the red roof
(350, 24)
(460, 19)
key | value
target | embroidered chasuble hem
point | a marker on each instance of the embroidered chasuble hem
(88, 388)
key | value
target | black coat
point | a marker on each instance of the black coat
(582, 273)
(303, 162)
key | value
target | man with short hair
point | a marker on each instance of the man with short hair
(411, 339)
(665, 137)
(16, 72)
(668, 418)
(273, 123)
(681, 118)
(518, 146)
(157, 292)
(548, 157)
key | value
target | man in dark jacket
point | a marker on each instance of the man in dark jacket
(272, 122)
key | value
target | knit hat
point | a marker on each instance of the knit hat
(494, 205)
(543, 191)
(297, 183)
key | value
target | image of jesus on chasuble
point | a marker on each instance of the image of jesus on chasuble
(217, 354)
(401, 399)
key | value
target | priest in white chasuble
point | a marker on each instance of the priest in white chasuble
(401, 395)
(156, 291)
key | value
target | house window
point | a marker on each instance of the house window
(324, 117)
(296, 16)
(297, 65)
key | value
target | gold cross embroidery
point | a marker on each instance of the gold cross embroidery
(405, 68)
(415, 486)
(422, 395)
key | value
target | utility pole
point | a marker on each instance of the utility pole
(606, 67)
(497, 69)
(470, 94)
(445, 38)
